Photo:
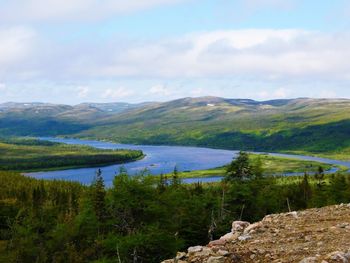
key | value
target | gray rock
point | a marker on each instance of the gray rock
(244, 237)
(219, 259)
(239, 226)
(195, 249)
(309, 260)
(253, 227)
(180, 255)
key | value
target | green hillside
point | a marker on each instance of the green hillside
(29, 154)
(313, 126)
(317, 126)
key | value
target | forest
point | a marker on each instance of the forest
(26, 154)
(139, 219)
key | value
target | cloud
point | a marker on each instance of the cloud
(83, 91)
(262, 55)
(256, 4)
(115, 94)
(279, 93)
(16, 45)
(2, 86)
(73, 10)
(161, 90)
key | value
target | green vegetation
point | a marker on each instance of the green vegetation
(318, 127)
(30, 154)
(312, 126)
(271, 165)
(138, 221)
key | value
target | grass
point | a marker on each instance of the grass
(272, 165)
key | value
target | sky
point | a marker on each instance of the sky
(158, 50)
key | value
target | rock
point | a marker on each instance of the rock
(292, 214)
(250, 228)
(219, 259)
(199, 251)
(230, 236)
(194, 249)
(180, 255)
(206, 251)
(239, 226)
(223, 253)
(337, 257)
(244, 237)
(220, 242)
(309, 260)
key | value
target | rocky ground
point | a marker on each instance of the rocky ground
(314, 235)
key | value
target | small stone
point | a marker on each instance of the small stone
(337, 256)
(261, 251)
(223, 253)
(239, 226)
(252, 256)
(244, 237)
(180, 255)
(255, 227)
(292, 214)
(219, 259)
(214, 243)
(230, 236)
(194, 249)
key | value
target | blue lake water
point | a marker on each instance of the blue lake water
(158, 160)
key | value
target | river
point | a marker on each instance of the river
(158, 160)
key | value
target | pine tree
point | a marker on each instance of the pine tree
(98, 196)
(240, 168)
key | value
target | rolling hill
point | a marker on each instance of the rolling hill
(319, 126)
(313, 125)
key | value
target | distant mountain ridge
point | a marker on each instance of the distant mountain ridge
(303, 124)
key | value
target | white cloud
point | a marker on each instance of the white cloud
(2, 86)
(160, 89)
(118, 93)
(16, 44)
(261, 55)
(83, 91)
(74, 10)
(255, 4)
(279, 93)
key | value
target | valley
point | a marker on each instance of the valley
(318, 127)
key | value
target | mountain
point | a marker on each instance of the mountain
(320, 126)
(314, 125)
(116, 107)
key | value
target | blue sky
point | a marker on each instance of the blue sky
(136, 50)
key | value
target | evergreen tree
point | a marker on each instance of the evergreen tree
(175, 180)
(319, 176)
(239, 168)
(98, 196)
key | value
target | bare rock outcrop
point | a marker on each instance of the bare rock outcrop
(320, 235)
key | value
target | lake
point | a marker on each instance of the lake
(158, 160)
